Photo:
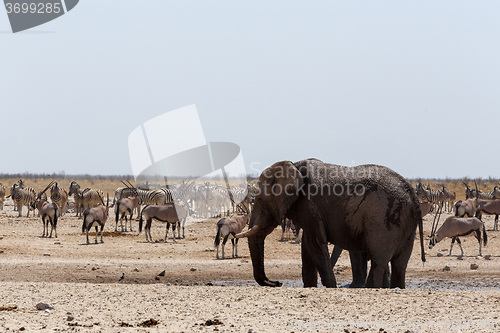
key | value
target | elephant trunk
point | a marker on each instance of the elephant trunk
(256, 246)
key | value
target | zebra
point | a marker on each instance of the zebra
(23, 197)
(91, 198)
(426, 194)
(74, 189)
(20, 184)
(449, 197)
(167, 195)
(2, 195)
(241, 195)
(150, 197)
(59, 196)
(470, 193)
(485, 195)
(123, 192)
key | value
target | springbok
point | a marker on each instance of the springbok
(489, 207)
(455, 227)
(95, 217)
(124, 206)
(170, 214)
(48, 211)
(230, 227)
(2, 195)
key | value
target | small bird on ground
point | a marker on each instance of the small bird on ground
(123, 277)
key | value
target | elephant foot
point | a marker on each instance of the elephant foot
(357, 285)
(269, 283)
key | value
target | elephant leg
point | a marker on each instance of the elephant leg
(309, 271)
(398, 267)
(316, 258)
(359, 266)
(337, 251)
(386, 279)
(376, 276)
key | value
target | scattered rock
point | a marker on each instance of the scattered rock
(162, 274)
(136, 269)
(179, 280)
(70, 318)
(474, 266)
(397, 290)
(57, 243)
(251, 330)
(487, 257)
(1, 251)
(44, 306)
(46, 254)
(439, 254)
(479, 257)
(209, 284)
(8, 308)
(209, 249)
(22, 329)
(211, 322)
(148, 323)
(193, 269)
(123, 324)
(94, 268)
(157, 278)
(446, 268)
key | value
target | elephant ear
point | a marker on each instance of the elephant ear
(280, 186)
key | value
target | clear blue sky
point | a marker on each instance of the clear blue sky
(413, 86)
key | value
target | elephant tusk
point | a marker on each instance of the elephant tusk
(250, 232)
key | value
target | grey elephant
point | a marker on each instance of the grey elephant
(368, 208)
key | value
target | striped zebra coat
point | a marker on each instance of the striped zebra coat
(23, 197)
(59, 196)
(74, 189)
(91, 198)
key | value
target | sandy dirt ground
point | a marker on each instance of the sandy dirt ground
(199, 293)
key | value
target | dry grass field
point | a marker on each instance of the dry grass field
(201, 294)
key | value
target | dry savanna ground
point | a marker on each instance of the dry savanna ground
(201, 294)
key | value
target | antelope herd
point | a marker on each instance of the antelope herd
(172, 205)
